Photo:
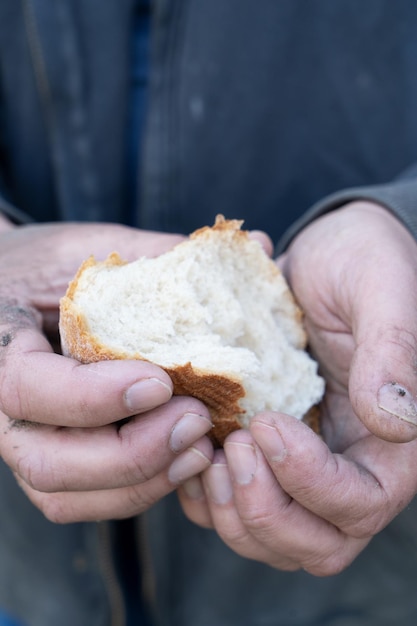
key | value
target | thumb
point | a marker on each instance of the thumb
(382, 387)
(383, 375)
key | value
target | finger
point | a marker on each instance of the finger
(68, 507)
(258, 520)
(193, 501)
(382, 298)
(40, 386)
(131, 243)
(280, 524)
(362, 285)
(281, 263)
(358, 492)
(57, 250)
(81, 459)
(227, 520)
(264, 240)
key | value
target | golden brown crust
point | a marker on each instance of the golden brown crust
(113, 259)
(221, 224)
(220, 394)
(76, 340)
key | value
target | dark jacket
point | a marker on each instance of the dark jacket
(259, 110)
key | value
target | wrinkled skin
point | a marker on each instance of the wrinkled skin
(279, 493)
(63, 427)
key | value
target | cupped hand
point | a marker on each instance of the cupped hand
(93, 441)
(354, 273)
(281, 494)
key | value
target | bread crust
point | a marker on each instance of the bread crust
(221, 394)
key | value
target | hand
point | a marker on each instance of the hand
(64, 429)
(279, 493)
(38, 261)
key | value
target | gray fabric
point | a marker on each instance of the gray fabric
(48, 573)
(399, 197)
(200, 581)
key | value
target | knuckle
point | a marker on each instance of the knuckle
(365, 527)
(236, 538)
(138, 471)
(285, 564)
(330, 565)
(53, 508)
(368, 519)
(262, 523)
(339, 555)
(25, 469)
(36, 473)
(140, 500)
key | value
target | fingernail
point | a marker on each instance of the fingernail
(193, 488)
(187, 430)
(270, 441)
(242, 461)
(218, 483)
(147, 394)
(188, 464)
(398, 401)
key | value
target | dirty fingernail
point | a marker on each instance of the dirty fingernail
(187, 430)
(398, 401)
(147, 394)
(186, 465)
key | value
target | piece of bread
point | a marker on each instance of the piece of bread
(214, 312)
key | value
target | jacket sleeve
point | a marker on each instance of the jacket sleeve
(13, 213)
(399, 196)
